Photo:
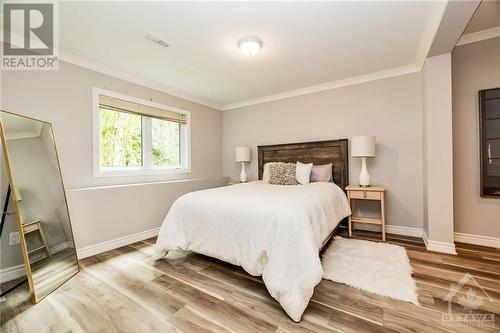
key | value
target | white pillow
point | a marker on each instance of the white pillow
(303, 173)
(266, 174)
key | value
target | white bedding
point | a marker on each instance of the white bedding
(270, 230)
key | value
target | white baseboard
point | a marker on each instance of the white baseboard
(430, 245)
(477, 240)
(435, 246)
(425, 238)
(16, 272)
(392, 229)
(62, 246)
(92, 250)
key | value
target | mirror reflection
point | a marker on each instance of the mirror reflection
(38, 200)
(12, 268)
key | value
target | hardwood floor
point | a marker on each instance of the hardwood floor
(4, 287)
(50, 272)
(124, 290)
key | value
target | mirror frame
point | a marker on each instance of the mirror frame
(19, 220)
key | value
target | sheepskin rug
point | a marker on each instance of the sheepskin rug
(379, 268)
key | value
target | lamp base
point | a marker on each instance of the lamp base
(243, 174)
(364, 176)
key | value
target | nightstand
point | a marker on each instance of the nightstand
(375, 193)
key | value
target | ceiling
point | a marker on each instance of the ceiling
(487, 16)
(455, 18)
(305, 43)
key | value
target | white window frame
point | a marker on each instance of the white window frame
(146, 169)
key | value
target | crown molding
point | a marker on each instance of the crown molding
(122, 75)
(83, 62)
(422, 52)
(430, 33)
(325, 86)
(113, 72)
(35, 133)
(479, 36)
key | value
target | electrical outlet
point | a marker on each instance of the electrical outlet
(14, 238)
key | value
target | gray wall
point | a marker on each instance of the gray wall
(475, 66)
(390, 109)
(64, 98)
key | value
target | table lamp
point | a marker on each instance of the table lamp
(363, 146)
(243, 154)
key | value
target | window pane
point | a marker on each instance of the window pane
(121, 139)
(165, 142)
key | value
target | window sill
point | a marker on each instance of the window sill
(139, 172)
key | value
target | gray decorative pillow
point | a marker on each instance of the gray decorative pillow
(282, 173)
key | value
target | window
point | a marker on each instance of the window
(134, 137)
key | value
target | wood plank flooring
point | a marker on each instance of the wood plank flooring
(11, 284)
(50, 272)
(124, 290)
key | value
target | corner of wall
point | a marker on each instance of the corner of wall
(435, 246)
(438, 154)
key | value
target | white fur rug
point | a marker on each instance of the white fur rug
(379, 268)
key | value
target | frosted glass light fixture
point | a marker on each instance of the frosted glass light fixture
(250, 45)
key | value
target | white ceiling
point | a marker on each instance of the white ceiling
(305, 43)
(487, 16)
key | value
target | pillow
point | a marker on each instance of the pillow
(282, 173)
(266, 176)
(303, 173)
(321, 173)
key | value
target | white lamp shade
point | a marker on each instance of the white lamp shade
(243, 154)
(363, 146)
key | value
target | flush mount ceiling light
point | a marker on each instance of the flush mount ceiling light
(250, 45)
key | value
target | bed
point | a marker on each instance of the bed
(272, 231)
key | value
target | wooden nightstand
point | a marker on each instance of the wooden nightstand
(366, 193)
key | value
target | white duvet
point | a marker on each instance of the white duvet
(270, 230)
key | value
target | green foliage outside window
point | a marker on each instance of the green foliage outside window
(165, 142)
(122, 142)
(121, 139)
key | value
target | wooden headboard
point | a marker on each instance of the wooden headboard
(319, 152)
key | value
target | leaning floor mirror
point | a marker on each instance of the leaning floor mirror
(33, 198)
